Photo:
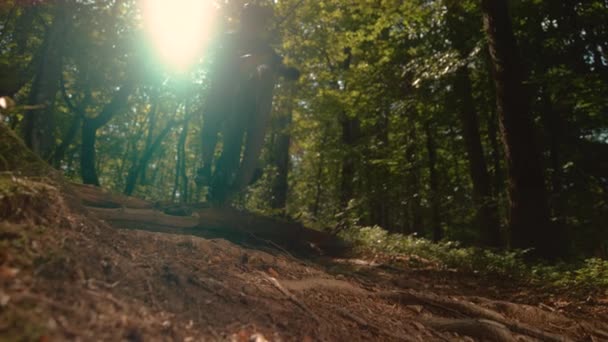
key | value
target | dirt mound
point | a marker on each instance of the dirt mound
(66, 275)
(17, 158)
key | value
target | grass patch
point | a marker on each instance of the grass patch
(588, 276)
(16, 157)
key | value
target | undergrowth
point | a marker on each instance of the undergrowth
(589, 276)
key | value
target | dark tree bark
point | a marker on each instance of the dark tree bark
(137, 169)
(88, 170)
(413, 219)
(459, 22)
(67, 140)
(139, 163)
(529, 215)
(378, 175)
(434, 183)
(553, 127)
(487, 210)
(319, 181)
(151, 128)
(90, 126)
(39, 123)
(181, 177)
(498, 177)
(350, 136)
(79, 113)
(281, 157)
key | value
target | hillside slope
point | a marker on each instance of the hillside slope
(67, 275)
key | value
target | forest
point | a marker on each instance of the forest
(435, 126)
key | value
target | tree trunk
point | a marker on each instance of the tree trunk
(135, 171)
(39, 123)
(434, 183)
(181, 148)
(151, 127)
(90, 126)
(412, 221)
(378, 175)
(181, 178)
(487, 211)
(350, 135)
(319, 181)
(529, 215)
(88, 170)
(67, 140)
(281, 157)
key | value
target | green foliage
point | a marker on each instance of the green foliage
(14, 156)
(591, 276)
(447, 254)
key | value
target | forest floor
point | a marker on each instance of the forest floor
(67, 275)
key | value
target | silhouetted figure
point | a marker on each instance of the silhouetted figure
(239, 104)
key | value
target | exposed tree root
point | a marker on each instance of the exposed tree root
(97, 197)
(471, 310)
(291, 297)
(477, 328)
(147, 216)
(364, 324)
(226, 222)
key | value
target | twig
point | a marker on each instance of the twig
(273, 244)
(44, 300)
(152, 298)
(291, 297)
(108, 297)
(366, 325)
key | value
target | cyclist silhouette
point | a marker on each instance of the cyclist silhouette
(239, 104)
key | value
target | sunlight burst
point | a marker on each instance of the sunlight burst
(179, 29)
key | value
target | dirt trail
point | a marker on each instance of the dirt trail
(66, 275)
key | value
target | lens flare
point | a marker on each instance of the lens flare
(178, 29)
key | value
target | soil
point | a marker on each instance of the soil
(67, 275)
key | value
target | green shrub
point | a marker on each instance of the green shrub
(589, 276)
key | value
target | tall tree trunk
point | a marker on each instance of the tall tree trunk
(498, 177)
(39, 123)
(487, 210)
(434, 183)
(90, 126)
(529, 215)
(142, 163)
(151, 128)
(553, 127)
(67, 140)
(378, 175)
(88, 170)
(413, 218)
(319, 181)
(281, 157)
(183, 175)
(139, 164)
(350, 136)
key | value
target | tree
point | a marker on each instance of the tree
(529, 216)
(90, 126)
(462, 37)
(280, 153)
(39, 122)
